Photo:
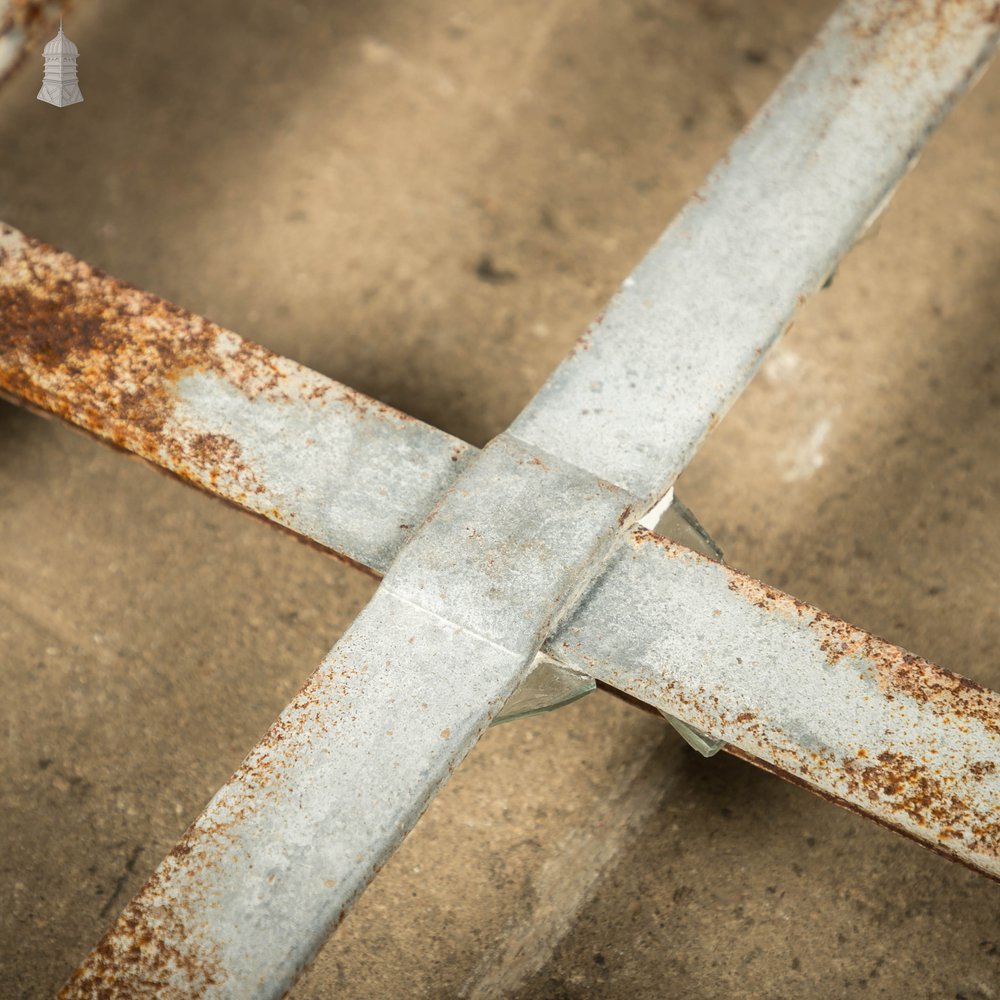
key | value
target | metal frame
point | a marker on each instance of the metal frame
(535, 541)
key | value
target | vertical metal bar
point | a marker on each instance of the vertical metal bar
(689, 327)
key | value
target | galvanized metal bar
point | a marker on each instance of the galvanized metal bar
(264, 875)
(677, 344)
(286, 846)
(222, 905)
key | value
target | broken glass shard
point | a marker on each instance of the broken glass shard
(549, 685)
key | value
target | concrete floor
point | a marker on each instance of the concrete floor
(428, 201)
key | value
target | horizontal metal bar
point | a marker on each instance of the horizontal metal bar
(379, 443)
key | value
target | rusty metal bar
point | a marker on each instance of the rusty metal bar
(799, 692)
(886, 734)
(337, 468)
(218, 411)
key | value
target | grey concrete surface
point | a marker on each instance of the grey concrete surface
(428, 201)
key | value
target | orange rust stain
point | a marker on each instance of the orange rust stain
(638, 535)
(583, 341)
(143, 954)
(106, 357)
(898, 672)
(904, 785)
(939, 846)
(948, 695)
(907, 37)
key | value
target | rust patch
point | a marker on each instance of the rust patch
(106, 357)
(874, 20)
(936, 846)
(981, 768)
(143, 955)
(897, 671)
(583, 342)
(639, 536)
(940, 690)
(908, 37)
(930, 800)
